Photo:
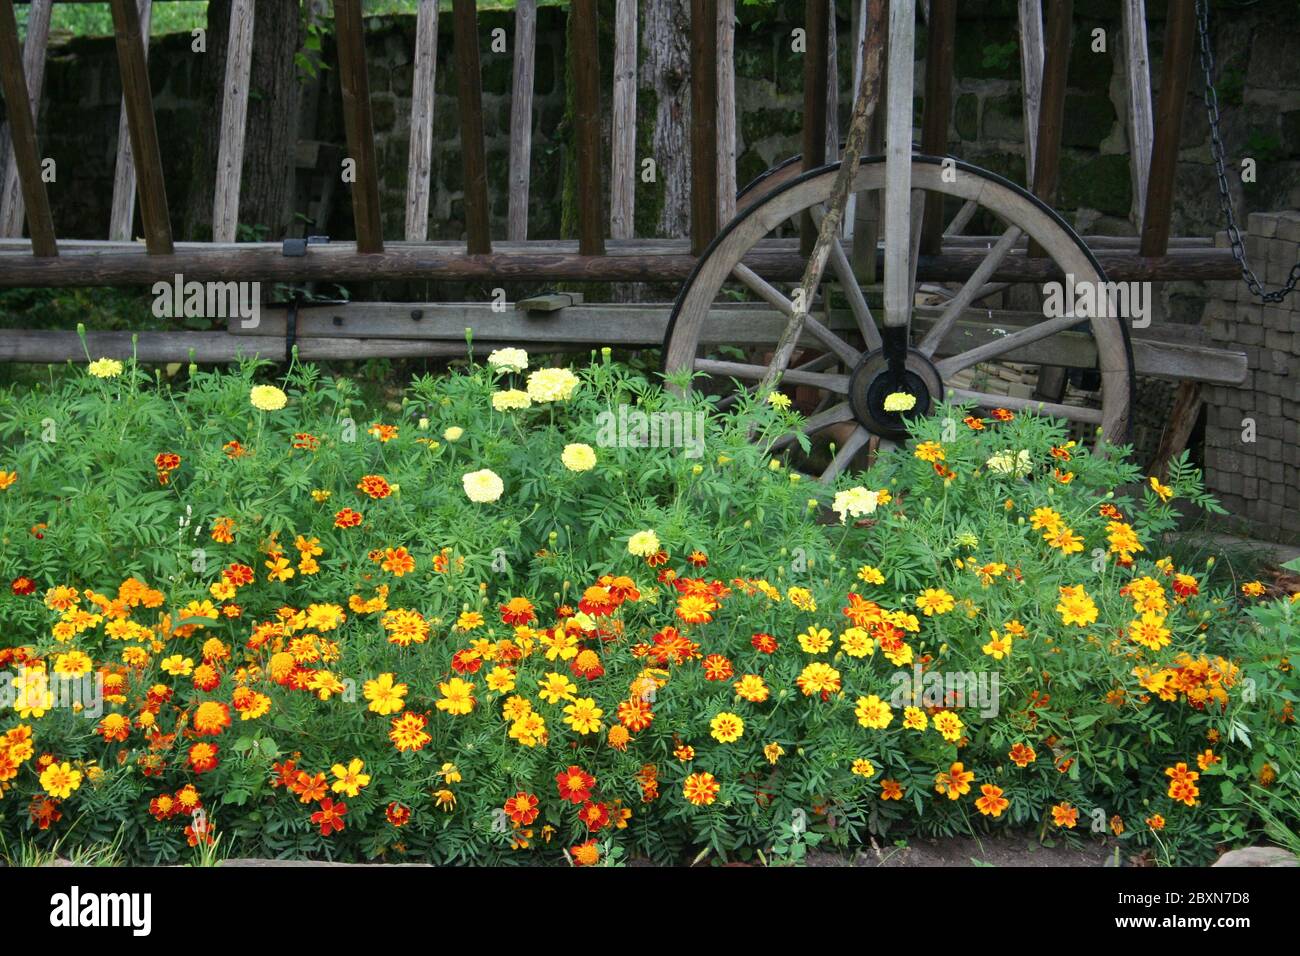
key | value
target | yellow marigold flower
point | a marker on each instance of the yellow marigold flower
(268, 398)
(509, 360)
(453, 433)
(930, 451)
(726, 727)
(510, 399)
(935, 601)
(955, 782)
(815, 640)
(59, 780)
(105, 368)
(949, 725)
(578, 457)
(551, 385)
(1163, 491)
(583, 715)
(914, 718)
(350, 779)
(999, 645)
(871, 575)
(483, 486)
(858, 642)
(873, 713)
(773, 752)
(864, 768)
(385, 696)
(643, 544)
(900, 402)
(556, 687)
(457, 696)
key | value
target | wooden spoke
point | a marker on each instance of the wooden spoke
(849, 283)
(777, 299)
(960, 221)
(966, 296)
(814, 423)
(843, 456)
(756, 373)
(982, 353)
(1074, 413)
(817, 364)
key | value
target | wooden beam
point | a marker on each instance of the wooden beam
(469, 89)
(234, 113)
(897, 200)
(938, 109)
(354, 83)
(1175, 70)
(22, 131)
(704, 123)
(419, 154)
(586, 89)
(816, 70)
(1031, 77)
(1137, 70)
(1051, 116)
(137, 101)
(12, 208)
(538, 261)
(521, 118)
(623, 165)
(121, 212)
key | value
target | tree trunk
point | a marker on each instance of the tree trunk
(266, 191)
(665, 76)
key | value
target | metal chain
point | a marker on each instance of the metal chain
(1216, 148)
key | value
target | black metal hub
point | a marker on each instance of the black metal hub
(876, 378)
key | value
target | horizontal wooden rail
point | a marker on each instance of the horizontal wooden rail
(122, 264)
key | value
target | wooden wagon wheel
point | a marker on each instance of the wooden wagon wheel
(858, 391)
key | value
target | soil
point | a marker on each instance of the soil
(1003, 849)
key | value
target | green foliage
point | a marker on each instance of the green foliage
(924, 568)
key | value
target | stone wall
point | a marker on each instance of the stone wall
(1252, 437)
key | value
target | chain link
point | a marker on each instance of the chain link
(1216, 148)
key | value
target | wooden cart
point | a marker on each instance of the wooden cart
(904, 246)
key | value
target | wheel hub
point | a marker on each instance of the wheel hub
(873, 381)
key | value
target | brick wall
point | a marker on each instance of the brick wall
(1259, 480)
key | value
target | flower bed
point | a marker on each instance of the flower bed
(500, 620)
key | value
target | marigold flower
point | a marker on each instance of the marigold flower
(701, 789)
(268, 398)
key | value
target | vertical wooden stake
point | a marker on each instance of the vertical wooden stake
(898, 165)
(521, 119)
(11, 191)
(726, 111)
(704, 124)
(470, 94)
(1137, 69)
(234, 115)
(419, 155)
(1180, 32)
(815, 79)
(1051, 116)
(938, 109)
(1031, 77)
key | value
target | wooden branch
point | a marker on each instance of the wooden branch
(234, 115)
(521, 119)
(419, 155)
(137, 100)
(354, 83)
(704, 124)
(1175, 69)
(12, 207)
(469, 84)
(586, 85)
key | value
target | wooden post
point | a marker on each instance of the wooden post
(726, 111)
(1188, 402)
(704, 124)
(898, 166)
(1137, 69)
(521, 119)
(586, 84)
(11, 190)
(419, 155)
(623, 168)
(234, 114)
(138, 103)
(1031, 77)
(354, 83)
(938, 109)
(1180, 33)
(121, 213)
(1051, 116)
(815, 78)
(469, 86)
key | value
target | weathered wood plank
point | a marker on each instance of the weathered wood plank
(138, 104)
(704, 123)
(419, 153)
(234, 114)
(623, 166)
(1031, 76)
(12, 207)
(938, 108)
(121, 211)
(1188, 402)
(1051, 116)
(1137, 70)
(726, 111)
(539, 261)
(469, 85)
(897, 201)
(1175, 70)
(816, 70)
(586, 90)
(521, 118)
(354, 83)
